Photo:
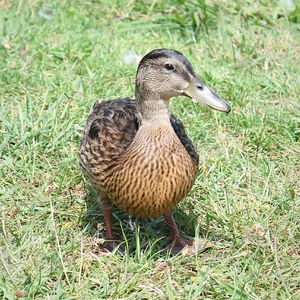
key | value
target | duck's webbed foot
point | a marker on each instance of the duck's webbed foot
(110, 245)
(180, 244)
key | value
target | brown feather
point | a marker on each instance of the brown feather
(144, 170)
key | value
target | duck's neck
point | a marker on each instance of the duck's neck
(153, 109)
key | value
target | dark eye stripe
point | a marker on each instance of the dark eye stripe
(169, 67)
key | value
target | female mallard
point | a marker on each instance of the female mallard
(138, 156)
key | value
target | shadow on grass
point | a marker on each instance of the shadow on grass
(136, 233)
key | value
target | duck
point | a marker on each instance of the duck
(136, 154)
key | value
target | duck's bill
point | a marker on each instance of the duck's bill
(201, 93)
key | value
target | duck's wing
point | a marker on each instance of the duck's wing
(110, 129)
(113, 123)
(185, 140)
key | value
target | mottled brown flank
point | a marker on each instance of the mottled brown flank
(145, 170)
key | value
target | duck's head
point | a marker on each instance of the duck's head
(164, 73)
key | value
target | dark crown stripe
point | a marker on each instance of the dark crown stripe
(168, 53)
(162, 53)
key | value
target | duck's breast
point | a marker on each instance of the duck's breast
(155, 174)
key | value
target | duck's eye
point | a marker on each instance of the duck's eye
(169, 67)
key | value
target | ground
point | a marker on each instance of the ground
(58, 57)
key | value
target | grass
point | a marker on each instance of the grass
(247, 195)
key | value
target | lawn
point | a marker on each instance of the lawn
(58, 57)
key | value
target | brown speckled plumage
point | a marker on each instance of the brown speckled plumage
(134, 152)
(145, 170)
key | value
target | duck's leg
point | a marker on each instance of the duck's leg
(107, 213)
(179, 242)
(110, 241)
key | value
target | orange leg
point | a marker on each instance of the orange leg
(172, 224)
(179, 242)
(107, 212)
(110, 242)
